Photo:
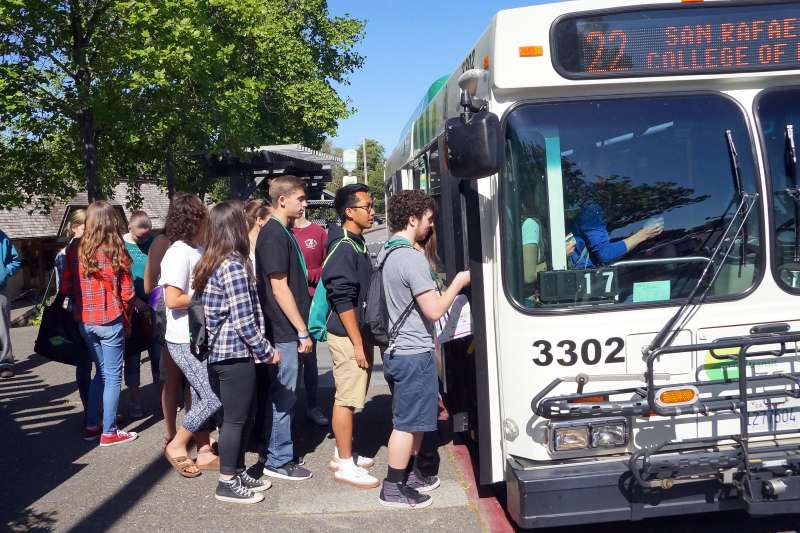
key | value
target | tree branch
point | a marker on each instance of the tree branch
(98, 12)
(57, 62)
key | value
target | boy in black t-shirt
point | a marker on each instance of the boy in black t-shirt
(283, 292)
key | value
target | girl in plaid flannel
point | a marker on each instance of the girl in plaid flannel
(234, 320)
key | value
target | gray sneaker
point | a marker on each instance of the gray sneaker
(234, 491)
(290, 471)
(400, 496)
(251, 483)
(422, 483)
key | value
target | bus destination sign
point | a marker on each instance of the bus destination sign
(689, 39)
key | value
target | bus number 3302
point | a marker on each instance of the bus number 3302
(590, 352)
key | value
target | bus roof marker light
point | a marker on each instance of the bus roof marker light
(531, 51)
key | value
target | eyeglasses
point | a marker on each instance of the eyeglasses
(368, 207)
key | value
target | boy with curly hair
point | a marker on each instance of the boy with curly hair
(408, 364)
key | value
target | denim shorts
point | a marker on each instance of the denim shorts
(415, 391)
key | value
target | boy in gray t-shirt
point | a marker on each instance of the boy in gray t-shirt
(405, 275)
(408, 365)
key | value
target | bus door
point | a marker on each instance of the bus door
(459, 248)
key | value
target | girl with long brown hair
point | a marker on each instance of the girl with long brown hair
(97, 279)
(256, 212)
(234, 320)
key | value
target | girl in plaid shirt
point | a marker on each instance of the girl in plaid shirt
(235, 322)
(97, 278)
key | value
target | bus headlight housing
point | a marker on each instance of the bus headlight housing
(597, 434)
(609, 435)
(571, 438)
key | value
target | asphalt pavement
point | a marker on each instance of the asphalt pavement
(51, 480)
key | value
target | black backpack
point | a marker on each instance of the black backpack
(376, 325)
(199, 342)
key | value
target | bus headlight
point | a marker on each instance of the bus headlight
(597, 434)
(570, 438)
(609, 435)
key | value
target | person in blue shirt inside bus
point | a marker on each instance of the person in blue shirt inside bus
(593, 244)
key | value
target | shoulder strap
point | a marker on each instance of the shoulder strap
(348, 240)
(385, 257)
(395, 329)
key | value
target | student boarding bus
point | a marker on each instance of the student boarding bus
(621, 178)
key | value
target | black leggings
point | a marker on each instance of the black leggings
(235, 383)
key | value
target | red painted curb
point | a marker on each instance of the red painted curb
(489, 509)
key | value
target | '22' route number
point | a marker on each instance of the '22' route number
(591, 352)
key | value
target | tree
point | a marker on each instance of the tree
(375, 167)
(125, 88)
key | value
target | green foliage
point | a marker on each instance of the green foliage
(375, 164)
(151, 84)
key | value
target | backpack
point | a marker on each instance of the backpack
(376, 325)
(199, 343)
(321, 311)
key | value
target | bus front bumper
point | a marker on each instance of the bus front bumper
(588, 493)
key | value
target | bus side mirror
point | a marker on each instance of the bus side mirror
(474, 145)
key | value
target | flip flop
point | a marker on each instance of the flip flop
(182, 465)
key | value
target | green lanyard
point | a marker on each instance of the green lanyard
(296, 246)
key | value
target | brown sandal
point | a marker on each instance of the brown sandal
(213, 465)
(183, 465)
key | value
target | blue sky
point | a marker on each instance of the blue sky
(408, 45)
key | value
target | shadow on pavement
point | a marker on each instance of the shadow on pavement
(121, 502)
(42, 446)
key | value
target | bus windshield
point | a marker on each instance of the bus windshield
(779, 116)
(622, 201)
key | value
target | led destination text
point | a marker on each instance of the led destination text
(682, 41)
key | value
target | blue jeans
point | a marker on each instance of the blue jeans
(280, 406)
(310, 376)
(107, 347)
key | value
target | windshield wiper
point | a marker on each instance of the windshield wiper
(791, 171)
(736, 171)
(736, 167)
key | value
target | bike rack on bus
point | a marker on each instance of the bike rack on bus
(767, 477)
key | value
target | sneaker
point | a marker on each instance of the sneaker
(317, 417)
(400, 496)
(92, 434)
(291, 471)
(119, 437)
(251, 483)
(357, 477)
(234, 491)
(422, 483)
(9, 373)
(363, 462)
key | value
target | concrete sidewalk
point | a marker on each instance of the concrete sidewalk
(54, 481)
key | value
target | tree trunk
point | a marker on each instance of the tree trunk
(169, 167)
(89, 154)
(83, 82)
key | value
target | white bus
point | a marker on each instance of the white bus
(621, 179)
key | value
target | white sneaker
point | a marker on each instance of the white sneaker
(317, 417)
(363, 462)
(357, 477)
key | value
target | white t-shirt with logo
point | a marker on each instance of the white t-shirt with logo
(176, 271)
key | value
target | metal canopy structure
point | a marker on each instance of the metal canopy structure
(255, 169)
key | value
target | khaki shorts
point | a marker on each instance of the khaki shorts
(351, 380)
